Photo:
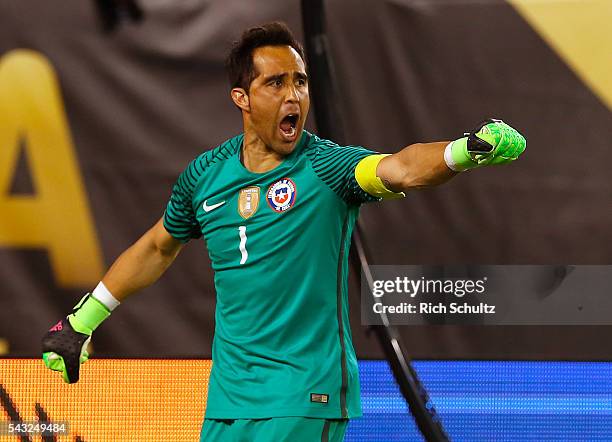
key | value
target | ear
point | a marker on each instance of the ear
(241, 98)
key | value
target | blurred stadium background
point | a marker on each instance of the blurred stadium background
(97, 120)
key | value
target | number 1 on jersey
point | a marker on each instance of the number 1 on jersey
(242, 247)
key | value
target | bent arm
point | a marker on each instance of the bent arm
(143, 263)
(415, 166)
(64, 346)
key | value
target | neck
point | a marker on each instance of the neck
(256, 156)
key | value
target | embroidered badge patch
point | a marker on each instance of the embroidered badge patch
(281, 195)
(248, 201)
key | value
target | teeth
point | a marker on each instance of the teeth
(290, 132)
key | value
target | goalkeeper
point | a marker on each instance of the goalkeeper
(276, 206)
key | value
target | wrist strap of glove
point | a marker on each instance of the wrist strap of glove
(457, 157)
(88, 314)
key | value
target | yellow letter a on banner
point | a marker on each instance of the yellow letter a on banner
(57, 216)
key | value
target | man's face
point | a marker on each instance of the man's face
(278, 97)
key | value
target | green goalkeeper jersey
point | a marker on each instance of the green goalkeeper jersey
(279, 243)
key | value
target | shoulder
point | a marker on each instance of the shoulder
(198, 167)
(319, 149)
(218, 154)
(323, 152)
(315, 144)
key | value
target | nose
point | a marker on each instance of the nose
(292, 95)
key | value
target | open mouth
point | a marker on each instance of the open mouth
(288, 126)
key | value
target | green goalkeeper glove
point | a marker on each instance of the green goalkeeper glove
(492, 142)
(64, 346)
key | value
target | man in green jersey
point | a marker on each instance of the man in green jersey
(276, 206)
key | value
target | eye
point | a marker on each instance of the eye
(301, 82)
(276, 83)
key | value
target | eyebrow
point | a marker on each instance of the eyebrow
(300, 75)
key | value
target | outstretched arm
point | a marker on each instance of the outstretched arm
(429, 164)
(415, 166)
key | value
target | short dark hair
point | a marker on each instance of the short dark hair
(239, 62)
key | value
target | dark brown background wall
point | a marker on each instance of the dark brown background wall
(144, 101)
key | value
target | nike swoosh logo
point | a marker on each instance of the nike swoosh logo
(208, 208)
